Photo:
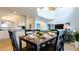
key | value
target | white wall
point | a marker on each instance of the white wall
(21, 21)
(74, 18)
(43, 24)
(58, 21)
(29, 21)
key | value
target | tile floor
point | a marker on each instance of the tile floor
(5, 45)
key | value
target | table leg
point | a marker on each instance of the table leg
(20, 44)
(38, 47)
(26, 44)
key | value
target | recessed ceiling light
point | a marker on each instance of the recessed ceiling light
(14, 12)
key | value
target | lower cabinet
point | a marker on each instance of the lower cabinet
(4, 35)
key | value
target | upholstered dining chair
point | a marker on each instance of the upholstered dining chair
(52, 46)
(13, 40)
(59, 42)
(29, 32)
(15, 45)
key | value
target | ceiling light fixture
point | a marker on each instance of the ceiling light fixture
(51, 8)
(47, 8)
(14, 12)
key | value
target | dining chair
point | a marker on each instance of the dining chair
(59, 42)
(29, 32)
(12, 35)
(15, 45)
(51, 46)
(54, 44)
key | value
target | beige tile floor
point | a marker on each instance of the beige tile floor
(5, 45)
(70, 47)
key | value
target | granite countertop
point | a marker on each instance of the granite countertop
(7, 29)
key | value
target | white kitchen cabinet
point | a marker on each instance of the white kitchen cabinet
(1, 35)
(4, 35)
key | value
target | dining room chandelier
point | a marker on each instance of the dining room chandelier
(48, 8)
(52, 8)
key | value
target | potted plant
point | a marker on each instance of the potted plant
(76, 34)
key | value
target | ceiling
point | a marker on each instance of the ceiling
(31, 11)
(59, 13)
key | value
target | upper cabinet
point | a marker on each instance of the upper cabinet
(6, 24)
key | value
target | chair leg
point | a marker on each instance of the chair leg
(14, 49)
(20, 44)
(61, 48)
(26, 44)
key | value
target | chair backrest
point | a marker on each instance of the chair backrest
(36, 30)
(59, 42)
(56, 40)
(13, 40)
(29, 32)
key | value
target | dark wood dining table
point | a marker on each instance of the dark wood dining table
(35, 41)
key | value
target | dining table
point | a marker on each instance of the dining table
(35, 40)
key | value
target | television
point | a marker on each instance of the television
(59, 26)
